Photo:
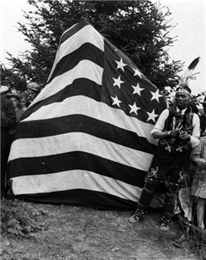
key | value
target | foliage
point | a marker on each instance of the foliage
(139, 28)
(13, 78)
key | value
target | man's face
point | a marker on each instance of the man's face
(32, 94)
(23, 102)
(182, 100)
(15, 101)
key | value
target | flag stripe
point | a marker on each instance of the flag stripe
(76, 179)
(81, 28)
(80, 197)
(84, 69)
(92, 90)
(70, 41)
(69, 142)
(91, 108)
(88, 125)
(85, 52)
(73, 160)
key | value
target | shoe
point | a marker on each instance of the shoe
(165, 223)
(164, 227)
(137, 216)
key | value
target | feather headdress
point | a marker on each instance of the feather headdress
(188, 75)
(183, 82)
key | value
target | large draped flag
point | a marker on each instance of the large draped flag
(85, 139)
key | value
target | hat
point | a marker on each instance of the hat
(34, 86)
(12, 94)
(3, 89)
(183, 89)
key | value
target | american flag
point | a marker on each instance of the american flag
(85, 139)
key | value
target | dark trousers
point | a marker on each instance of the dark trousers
(151, 187)
(166, 175)
(5, 149)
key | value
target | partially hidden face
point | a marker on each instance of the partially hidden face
(31, 94)
(15, 101)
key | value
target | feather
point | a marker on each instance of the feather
(188, 75)
(189, 71)
(193, 64)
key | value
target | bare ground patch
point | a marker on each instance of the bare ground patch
(63, 232)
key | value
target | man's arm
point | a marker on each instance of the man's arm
(196, 153)
(194, 138)
(157, 131)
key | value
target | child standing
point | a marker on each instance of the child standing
(199, 182)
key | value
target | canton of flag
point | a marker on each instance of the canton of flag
(86, 138)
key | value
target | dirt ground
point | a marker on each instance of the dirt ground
(63, 232)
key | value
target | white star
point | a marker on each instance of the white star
(151, 115)
(134, 108)
(137, 89)
(116, 101)
(137, 72)
(117, 82)
(120, 64)
(156, 95)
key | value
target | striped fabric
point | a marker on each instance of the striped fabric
(85, 139)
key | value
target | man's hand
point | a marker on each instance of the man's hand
(184, 135)
(172, 133)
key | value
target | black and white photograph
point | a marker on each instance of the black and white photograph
(103, 130)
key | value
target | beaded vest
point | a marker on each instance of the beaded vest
(179, 122)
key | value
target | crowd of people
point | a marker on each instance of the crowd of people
(13, 105)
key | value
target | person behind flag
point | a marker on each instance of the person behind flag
(33, 89)
(15, 98)
(178, 131)
(23, 101)
(8, 121)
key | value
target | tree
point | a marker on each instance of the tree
(139, 28)
(13, 78)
